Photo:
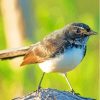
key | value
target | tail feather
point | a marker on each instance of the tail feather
(13, 53)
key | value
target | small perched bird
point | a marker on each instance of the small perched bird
(61, 51)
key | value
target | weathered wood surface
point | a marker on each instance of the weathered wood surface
(52, 94)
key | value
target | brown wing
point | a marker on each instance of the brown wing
(44, 49)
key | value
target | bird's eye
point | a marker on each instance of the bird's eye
(78, 30)
(88, 30)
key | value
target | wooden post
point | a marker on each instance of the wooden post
(52, 94)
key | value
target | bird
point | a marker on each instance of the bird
(60, 51)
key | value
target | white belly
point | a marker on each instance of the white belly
(64, 62)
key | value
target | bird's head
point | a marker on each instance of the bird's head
(79, 32)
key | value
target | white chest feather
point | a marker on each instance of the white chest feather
(64, 62)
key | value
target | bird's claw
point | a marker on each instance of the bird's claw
(74, 93)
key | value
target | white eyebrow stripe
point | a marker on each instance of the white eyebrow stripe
(79, 27)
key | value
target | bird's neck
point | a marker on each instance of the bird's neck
(78, 45)
(78, 42)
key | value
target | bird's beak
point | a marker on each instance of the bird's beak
(92, 32)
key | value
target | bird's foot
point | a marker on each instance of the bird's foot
(39, 87)
(37, 91)
(74, 93)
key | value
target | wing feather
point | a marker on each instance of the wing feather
(43, 50)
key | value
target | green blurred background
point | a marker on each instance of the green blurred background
(49, 15)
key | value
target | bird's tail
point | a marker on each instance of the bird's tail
(13, 53)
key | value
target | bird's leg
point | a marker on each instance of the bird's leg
(39, 86)
(72, 90)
